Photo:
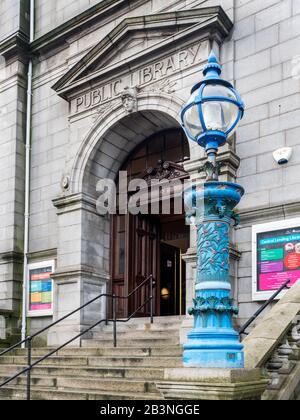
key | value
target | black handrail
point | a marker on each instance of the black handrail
(114, 297)
(242, 331)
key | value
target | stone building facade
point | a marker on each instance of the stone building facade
(85, 54)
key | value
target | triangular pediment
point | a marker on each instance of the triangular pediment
(137, 39)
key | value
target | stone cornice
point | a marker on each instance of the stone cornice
(15, 44)
(74, 202)
(45, 254)
(79, 271)
(229, 170)
(11, 257)
(269, 213)
(82, 21)
(178, 28)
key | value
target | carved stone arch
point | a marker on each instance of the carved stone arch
(165, 104)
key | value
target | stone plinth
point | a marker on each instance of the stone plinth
(212, 384)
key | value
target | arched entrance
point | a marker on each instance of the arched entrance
(85, 240)
(154, 243)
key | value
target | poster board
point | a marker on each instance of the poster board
(40, 289)
(275, 257)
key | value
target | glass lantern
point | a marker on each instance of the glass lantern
(214, 110)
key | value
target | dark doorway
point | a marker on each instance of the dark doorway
(145, 245)
(169, 280)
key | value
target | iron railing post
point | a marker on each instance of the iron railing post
(262, 308)
(114, 305)
(29, 363)
(151, 301)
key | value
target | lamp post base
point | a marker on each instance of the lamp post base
(208, 348)
(222, 359)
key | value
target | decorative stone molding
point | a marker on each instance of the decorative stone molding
(15, 45)
(74, 202)
(43, 255)
(104, 109)
(167, 104)
(165, 170)
(230, 164)
(79, 271)
(268, 213)
(166, 86)
(177, 28)
(11, 257)
(129, 99)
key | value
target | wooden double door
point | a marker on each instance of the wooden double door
(137, 253)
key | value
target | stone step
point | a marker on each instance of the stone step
(91, 383)
(166, 326)
(18, 393)
(137, 342)
(97, 370)
(106, 351)
(150, 373)
(157, 320)
(136, 361)
(99, 361)
(137, 334)
(40, 381)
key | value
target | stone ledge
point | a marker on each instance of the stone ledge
(268, 213)
(15, 44)
(262, 341)
(212, 384)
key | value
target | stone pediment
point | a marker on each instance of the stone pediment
(143, 39)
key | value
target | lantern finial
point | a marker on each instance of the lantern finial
(213, 66)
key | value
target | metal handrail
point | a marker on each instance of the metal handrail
(242, 331)
(114, 297)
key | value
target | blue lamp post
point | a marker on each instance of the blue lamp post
(209, 118)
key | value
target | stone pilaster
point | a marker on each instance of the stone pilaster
(13, 87)
(82, 271)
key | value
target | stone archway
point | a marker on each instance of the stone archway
(83, 261)
(163, 111)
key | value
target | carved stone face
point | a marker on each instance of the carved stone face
(129, 99)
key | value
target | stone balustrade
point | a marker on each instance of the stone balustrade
(283, 367)
(274, 347)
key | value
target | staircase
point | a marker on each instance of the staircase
(274, 346)
(97, 370)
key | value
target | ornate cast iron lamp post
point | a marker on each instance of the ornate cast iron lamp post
(212, 115)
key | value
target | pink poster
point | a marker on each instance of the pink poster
(273, 281)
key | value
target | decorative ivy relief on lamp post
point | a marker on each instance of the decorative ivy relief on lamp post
(209, 118)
